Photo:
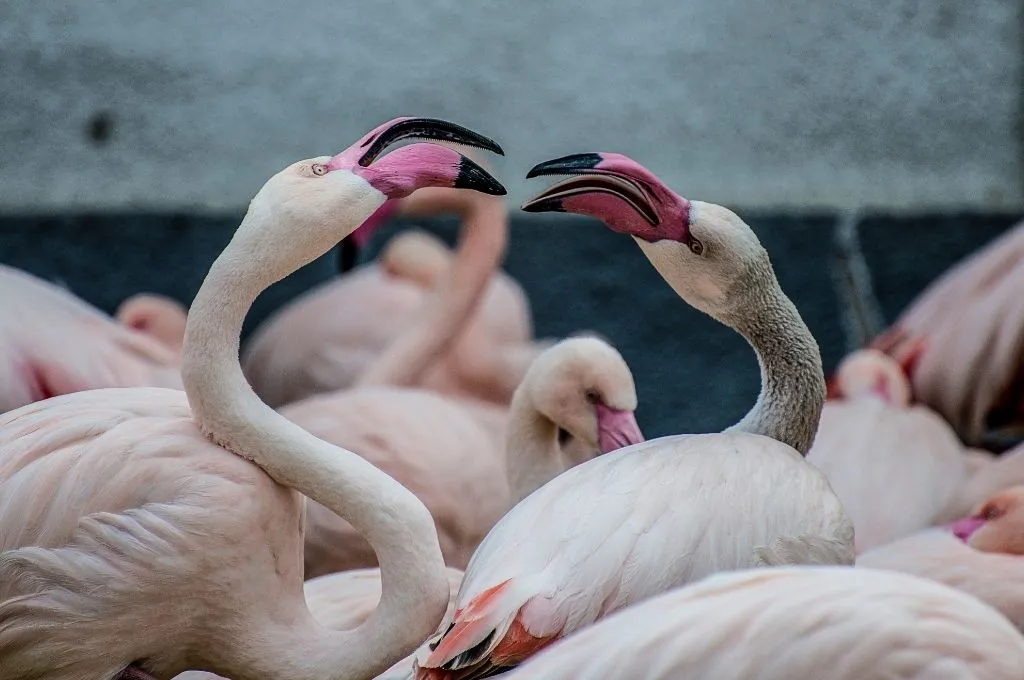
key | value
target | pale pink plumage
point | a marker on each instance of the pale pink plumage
(987, 476)
(962, 341)
(467, 474)
(894, 466)
(628, 525)
(54, 343)
(128, 537)
(346, 600)
(795, 623)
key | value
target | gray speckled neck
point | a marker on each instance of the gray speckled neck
(792, 381)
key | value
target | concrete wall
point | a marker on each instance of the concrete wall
(899, 104)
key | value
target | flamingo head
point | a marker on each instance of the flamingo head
(583, 386)
(997, 525)
(324, 199)
(869, 372)
(705, 252)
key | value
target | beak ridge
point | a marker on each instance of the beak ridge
(425, 128)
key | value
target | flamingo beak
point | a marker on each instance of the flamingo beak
(616, 428)
(433, 129)
(590, 174)
(965, 528)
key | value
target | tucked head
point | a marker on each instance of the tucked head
(868, 372)
(997, 525)
(706, 252)
(584, 386)
(326, 198)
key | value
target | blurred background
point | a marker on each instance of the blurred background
(132, 136)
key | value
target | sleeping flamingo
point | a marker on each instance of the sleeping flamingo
(346, 600)
(979, 554)
(577, 400)
(331, 338)
(54, 343)
(136, 530)
(793, 623)
(894, 466)
(962, 344)
(628, 525)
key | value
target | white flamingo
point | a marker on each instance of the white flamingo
(650, 517)
(794, 623)
(129, 539)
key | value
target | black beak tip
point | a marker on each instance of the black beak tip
(472, 176)
(576, 162)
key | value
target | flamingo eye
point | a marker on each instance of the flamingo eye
(319, 169)
(696, 246)
(990, 513)
(592, 397)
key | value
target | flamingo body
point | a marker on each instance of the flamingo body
(797, 623)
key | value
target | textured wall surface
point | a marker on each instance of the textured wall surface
(899, 104)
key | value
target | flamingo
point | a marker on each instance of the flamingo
(636, 522)
(576, 400)
(793, 623)
(332, 337)
(55, 343)
(979, 554)
(961, 342)
(161, 530)
(343, 601)
(873, 439)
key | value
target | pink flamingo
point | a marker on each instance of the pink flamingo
(136, 530)
(873, 439)
(979, 554)
(55, 343)
(961, 341)
(332, 337)
(628, 525)
(793, 623)
(577, 400)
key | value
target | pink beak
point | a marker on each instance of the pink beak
(964, 528)
(616, 429)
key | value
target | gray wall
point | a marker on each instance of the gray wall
(897, 104)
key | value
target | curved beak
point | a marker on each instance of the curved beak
(616, 429)
(433, 129)
(592, 173)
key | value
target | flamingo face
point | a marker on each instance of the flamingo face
(628, 197)
(997, 526)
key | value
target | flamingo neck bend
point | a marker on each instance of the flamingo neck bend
(393, 520)
(792, 395)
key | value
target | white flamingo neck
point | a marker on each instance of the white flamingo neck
(532, 454)
(393, 520)
(450, 306)
(792, 395)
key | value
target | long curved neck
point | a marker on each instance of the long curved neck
(451, 305)
(792, 381)
(391, 518)
(532, 454)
